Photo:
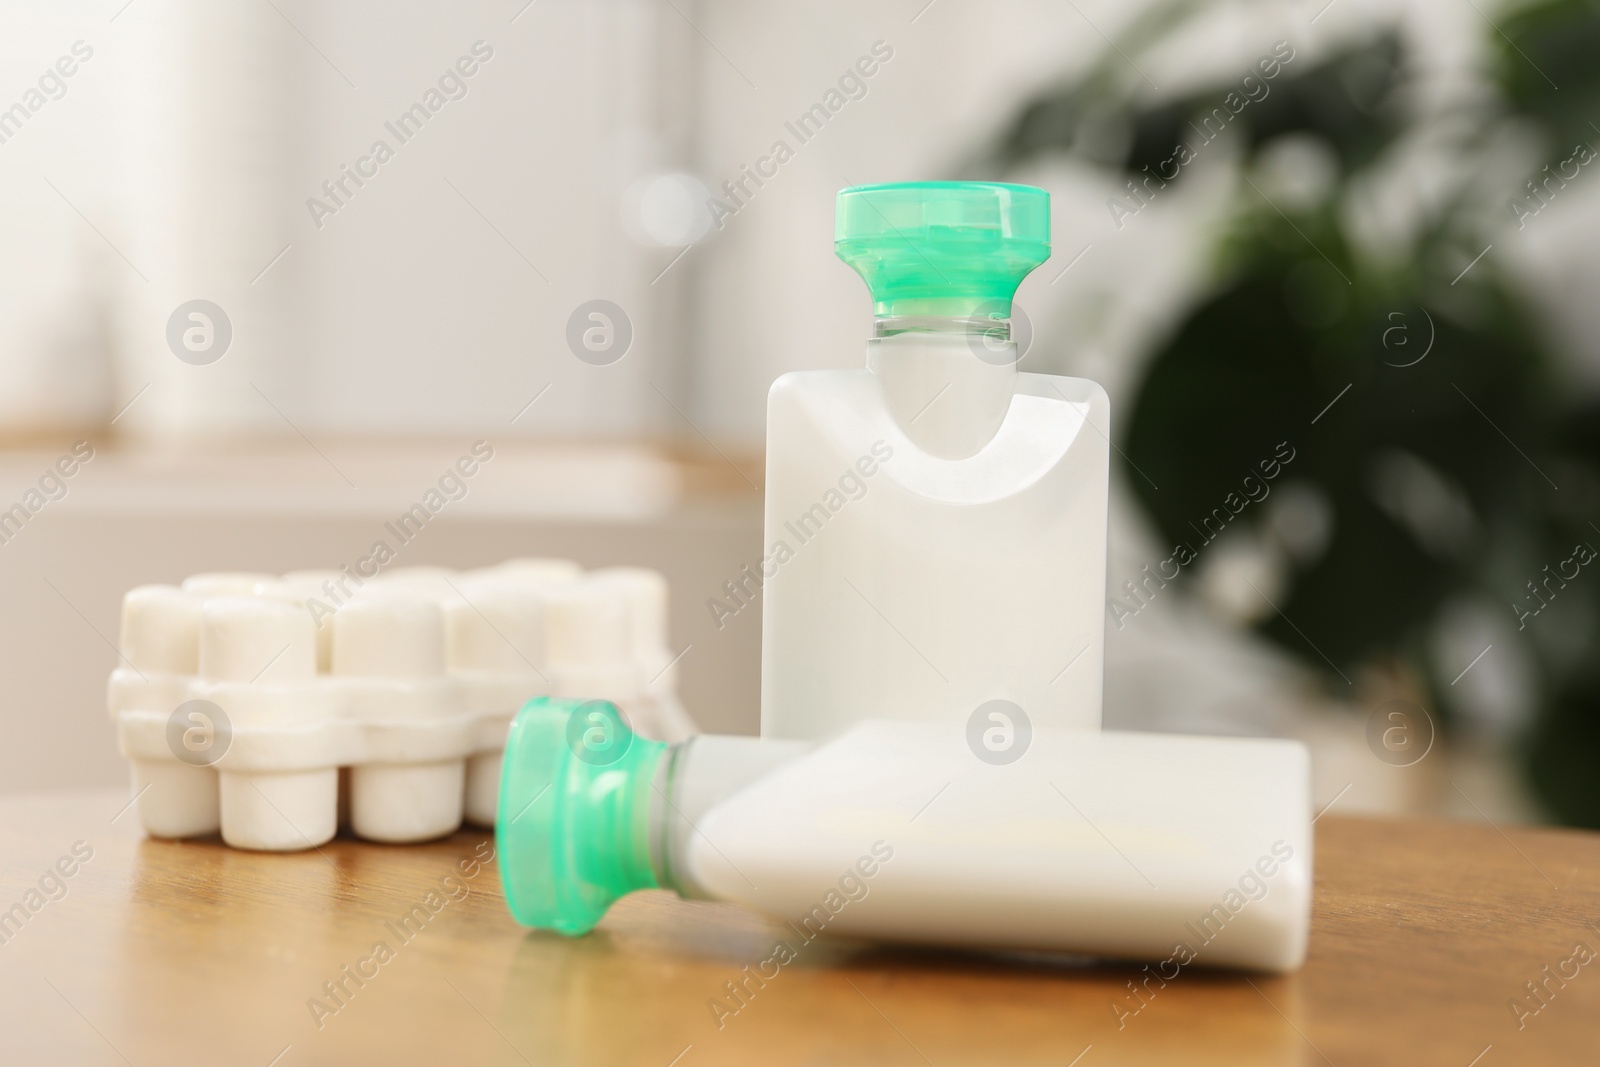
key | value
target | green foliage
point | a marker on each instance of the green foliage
(1546, 67)
(1300, 319)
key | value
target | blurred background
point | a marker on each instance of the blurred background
(276, 264)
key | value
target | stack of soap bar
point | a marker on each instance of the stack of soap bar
(276, 708)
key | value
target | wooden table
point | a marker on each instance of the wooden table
(166, 953)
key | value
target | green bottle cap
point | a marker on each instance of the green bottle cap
(573, 825)
(954, 249)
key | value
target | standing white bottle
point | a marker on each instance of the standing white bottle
(936, 522)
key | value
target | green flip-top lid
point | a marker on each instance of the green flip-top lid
(572, 822)
(943, 248)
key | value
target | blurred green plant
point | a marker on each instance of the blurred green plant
(1435, 475)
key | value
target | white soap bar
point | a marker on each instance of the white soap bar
(242, 697)
(389, 634)
(246, 639)
(225, 583)
(499, 628)
(161, 629)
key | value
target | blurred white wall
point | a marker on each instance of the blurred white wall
(179, 164)
(56, 275)
(439, 298)
(180, 159)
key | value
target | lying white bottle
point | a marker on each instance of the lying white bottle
(1136, 846)
(935, 522)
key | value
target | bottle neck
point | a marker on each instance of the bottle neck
(994, 331)
(691, 779)
(947, 380)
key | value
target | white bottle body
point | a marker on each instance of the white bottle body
(1141, 846)
(935, 536)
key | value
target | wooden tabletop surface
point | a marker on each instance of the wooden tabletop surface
(162, 953)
